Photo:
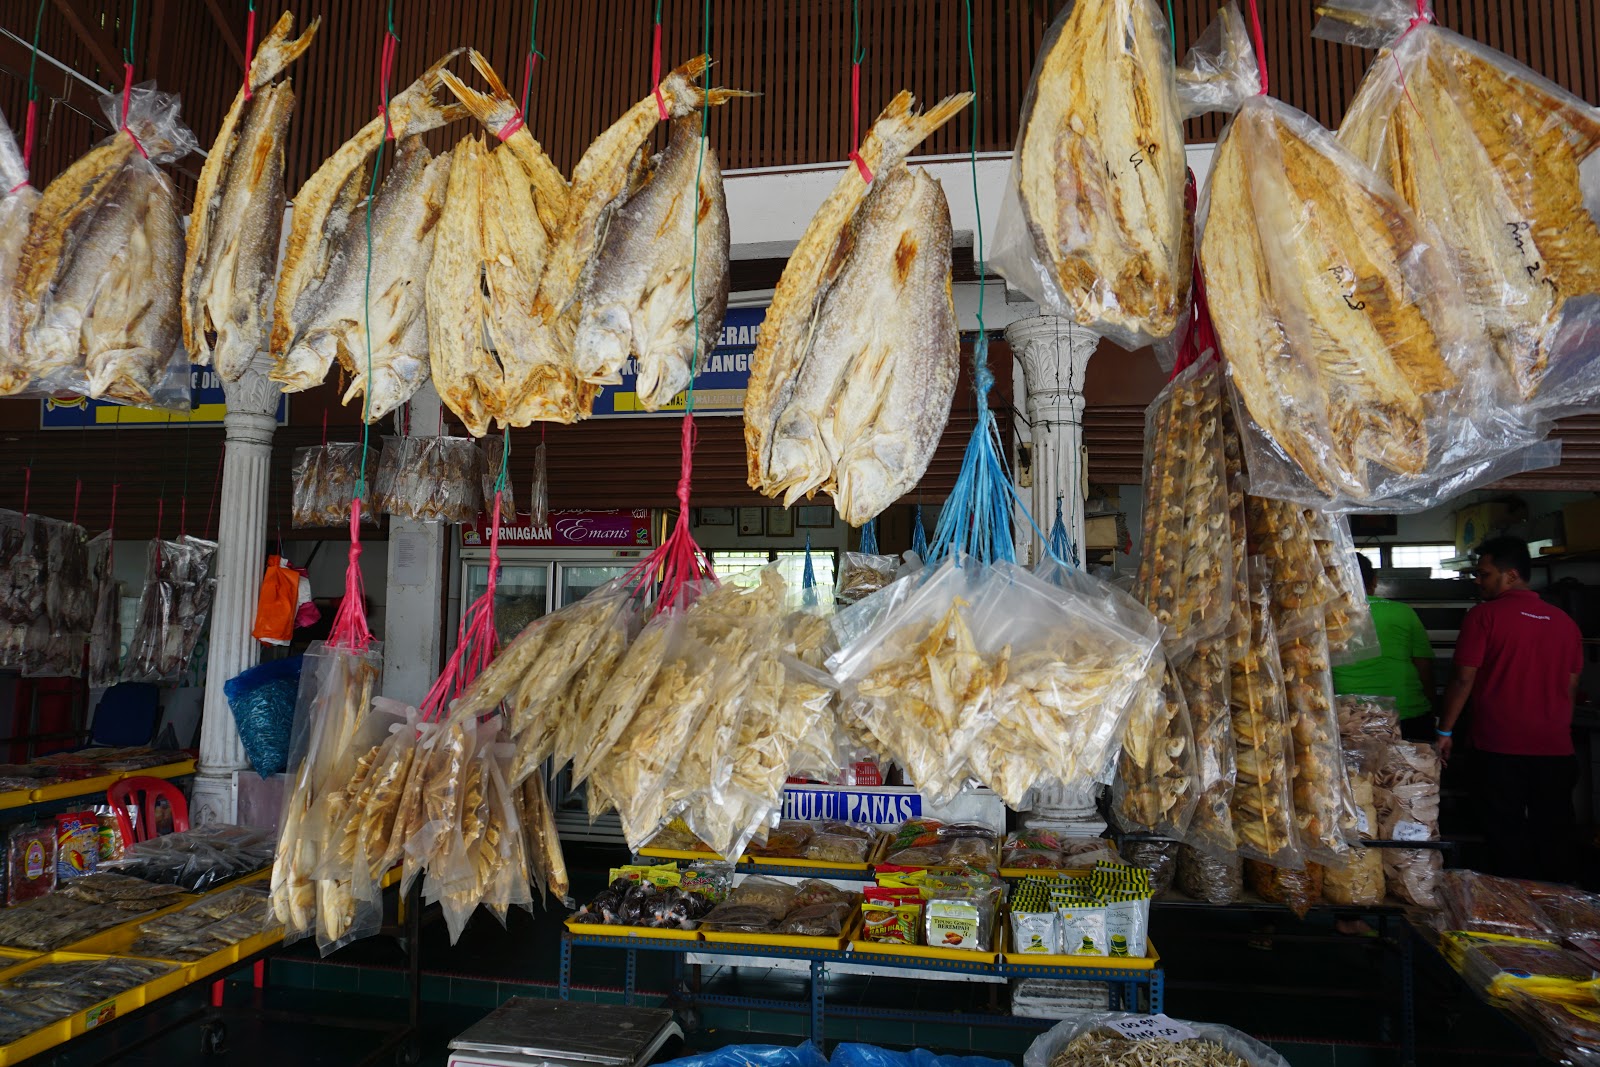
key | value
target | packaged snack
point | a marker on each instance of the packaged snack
(955, 924)
(1035, 932)
(893, 916)
(31, 863)
(1482, 903)
(1159, 858)
(1212, 878)
(1299, 889)
(77, 844)
(1367, 718)
(1083, 929)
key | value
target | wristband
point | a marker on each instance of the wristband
(1443, 733)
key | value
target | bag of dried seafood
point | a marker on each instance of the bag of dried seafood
(1405, 790)
(494, 457)
(1092, 217)
(1160, 858)
(1367, 718)
(1090, 1041)
(1298, 888)
(1205, 677)
(336, 690)
(431, 479)
(1360, 881)
(539, 492)
(1155, 788)
(1263, 798)
(325, 480)
(1280, 538)
(105, 636)
(1185, 563)
(1351, 633)
(1215, 879)
(173, 609)
(1503, 164)
(1325, 811)
(861, 574)
(1362, 374)
(542, 845)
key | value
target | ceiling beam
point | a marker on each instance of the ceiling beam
(95, 37)
(225, 28)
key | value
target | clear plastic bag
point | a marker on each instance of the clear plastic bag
(1155, 790)
(861, 574)
(1092, 221)
(1367, 718)
(1263, 797)
(1160, 858)
(1325, 812)
(1351, 633)
(431, 479)
(1358, 882)
(173, 609)
(105, 636)
(1483, 904)
(539, 493)
(494, 451)
(1087, 1041)
(1206, 679)
(1185, 566)
(1502, 163)
(98, 286)
(1358, 365)
(325, 483)
(1406, 794)
(1280, 537)
(1299, 889)
(17, 204)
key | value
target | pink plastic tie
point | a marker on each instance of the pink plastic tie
(855, 124)
(127, 92)
(655, 73)
(29, 126)
(249, 49)
(1261, 53)
(386, 68)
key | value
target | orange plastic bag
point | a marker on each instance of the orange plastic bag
(279, 600)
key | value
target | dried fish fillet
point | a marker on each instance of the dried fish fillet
(16, 214)
(1099, 175)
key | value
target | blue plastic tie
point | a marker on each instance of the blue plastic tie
(869, 537)
(1061, 546)
(808, 577)
(919, 536)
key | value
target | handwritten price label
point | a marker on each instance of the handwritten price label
(1406, 830)
(1159, 1027)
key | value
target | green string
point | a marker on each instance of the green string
(857, 53)
(505, 462)
(972, 76)
(694, 216)
(127, 55)
(372, 192)
(1172, 30)
(533, 50)
(33, 63)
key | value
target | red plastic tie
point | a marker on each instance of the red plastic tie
(324, 427)
(505, 133)
(527, 77)
(349, 628)
(386, 68)
(1261, 54)
(249, 50)
(127, 92)
(1421, 18)
(161, 511)
(655, 73)
(111, 523)
(28, 128)
(855, 124)
(27, 486)
(216, 487)
(77, 494)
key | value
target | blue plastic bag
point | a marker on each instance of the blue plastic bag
(850, 1054)
(805, 1055)
(262, 700)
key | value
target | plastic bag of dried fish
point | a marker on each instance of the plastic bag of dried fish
(1091, 1041)
(1263, 797)
(547, 863)
(1216, 878)
(431, 479)
(494, 454)
(1206, 679)
(1405, 790)
(17, 205)
(325, 483)
(1502, 163)
(174, 608)
(861, 574)
(336, 690)
(1324, 808)
(105, 635)
(98, 286)
(1351, 633)
(1280, 539)
(1360, 881)
(539, 491)
(1091, 222)
(1366, 718)
(1185, 565)
(1363, 376)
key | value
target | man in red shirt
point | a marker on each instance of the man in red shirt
(1518, 659)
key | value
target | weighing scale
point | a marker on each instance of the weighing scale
(531, 1032)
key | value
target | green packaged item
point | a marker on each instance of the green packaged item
(1083, 930)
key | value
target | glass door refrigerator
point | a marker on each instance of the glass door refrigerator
(546, 568)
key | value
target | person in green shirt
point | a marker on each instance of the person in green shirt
(1403, 667)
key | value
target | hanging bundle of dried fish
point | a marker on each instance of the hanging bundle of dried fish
(105, 635)
(489, 353)
(1351, 635)
(1092, 226)
(1360, 361)
(321, 305)
(546, 861)
(325, 479)
(97, 287)
(1502, 164)
(233, 233)
(1206, 679)
(851, 379)
(17, 204)
(430, 479)
(1263, 801)
(1185, 566)
(1280, 538)
(1156, 785)
(1325, 813)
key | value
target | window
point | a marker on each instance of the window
(791, 565)
(1374, 556)
(1429, 556)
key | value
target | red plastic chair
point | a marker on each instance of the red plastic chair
(142, 793)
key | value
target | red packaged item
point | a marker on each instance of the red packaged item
(77, 844)
(30, 863)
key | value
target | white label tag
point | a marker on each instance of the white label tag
(1406, 830)
(1153, 1026)
(1362, 825)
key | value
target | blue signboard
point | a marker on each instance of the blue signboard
(718, 390)
(885, 808)
(206, 401)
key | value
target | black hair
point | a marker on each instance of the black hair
(1368, 581)
(1509, 554)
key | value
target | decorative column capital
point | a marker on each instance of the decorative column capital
(1054, 352)
(252, 403)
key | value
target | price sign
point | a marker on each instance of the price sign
(1406, 830)
(1141, 1027)
(1362, 825)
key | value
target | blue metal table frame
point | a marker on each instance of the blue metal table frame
(1125, 984)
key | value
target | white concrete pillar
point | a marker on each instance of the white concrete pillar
(241, 555)
(1054, 353)
(412, 651)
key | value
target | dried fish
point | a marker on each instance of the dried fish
(16, 215)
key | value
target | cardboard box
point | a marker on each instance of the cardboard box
(1581, 520)
(1478, 523)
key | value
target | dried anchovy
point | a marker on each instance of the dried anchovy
(1107, 1048)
